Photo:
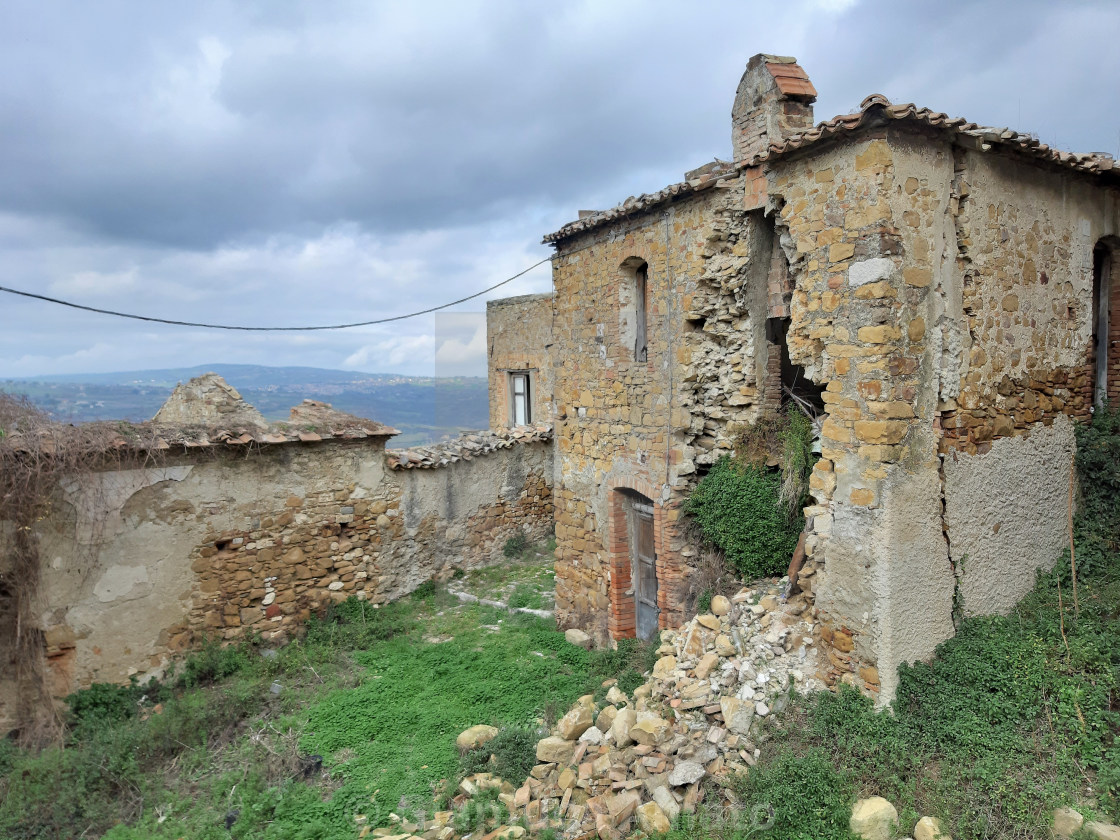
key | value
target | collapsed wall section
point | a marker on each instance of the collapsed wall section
(943, 297)
(141, 564)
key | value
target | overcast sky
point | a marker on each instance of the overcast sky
(282, 163)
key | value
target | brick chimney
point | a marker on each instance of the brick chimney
(774, 100)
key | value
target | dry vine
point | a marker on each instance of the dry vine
(36, 454)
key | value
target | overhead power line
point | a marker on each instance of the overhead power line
(175, 323)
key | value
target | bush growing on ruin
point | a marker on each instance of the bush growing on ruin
(738, 509)
(1097, 527)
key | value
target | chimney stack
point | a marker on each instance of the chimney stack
(774, 101)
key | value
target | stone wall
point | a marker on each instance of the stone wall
(942, 298)
(519, 338)
(141, 564)
(621, 423)
(627, 426)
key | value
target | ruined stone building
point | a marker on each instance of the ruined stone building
(943, 287)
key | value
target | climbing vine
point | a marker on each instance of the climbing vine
(36, 454)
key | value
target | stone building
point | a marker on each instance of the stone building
(942, 289)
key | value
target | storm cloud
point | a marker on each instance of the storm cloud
(272, 163)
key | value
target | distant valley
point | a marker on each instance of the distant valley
(425, 409)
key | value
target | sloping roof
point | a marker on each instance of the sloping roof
(465, 447)
(875, 110)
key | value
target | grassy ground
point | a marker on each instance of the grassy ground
(527, 580)
(234, 737)
(1015, 716)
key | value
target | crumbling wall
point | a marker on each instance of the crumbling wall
(624, 424)
(864, 271)
(140, 564)
(519, 338)
(731, 366)
(943, 296)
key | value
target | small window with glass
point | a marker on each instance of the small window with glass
(520, 412)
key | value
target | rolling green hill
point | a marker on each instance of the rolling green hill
(423, 408)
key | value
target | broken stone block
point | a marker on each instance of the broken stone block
(1102, 831)
(706, 664)
(578, 638)
(652, 820)
(606, 718)
(664, 667)
(649, 729)
(593, 736)
(708, 620)
(686, 773)
(577, 721)
(555, 750)
(475, 736)
(664, 798)
(620, 728)
(929, 828)
(738, 715)
(1067, 822)
(616, 696)
(720, 605)
(873, 819)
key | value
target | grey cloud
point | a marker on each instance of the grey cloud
(280, 162)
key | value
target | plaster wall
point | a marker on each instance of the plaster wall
(141, 564)
(1007, 514)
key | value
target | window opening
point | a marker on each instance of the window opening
(1102, 279)
(641, 277)
(519, 404)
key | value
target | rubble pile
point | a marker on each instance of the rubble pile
(637, 761)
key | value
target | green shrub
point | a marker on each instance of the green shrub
(738, 509)
(627, 663)
(516, 545)
(354, 624)
(524, 595)
(212, 662)
(1097, 527)
(103, 703)
(704, 602)
(804, 795)
(514, 749)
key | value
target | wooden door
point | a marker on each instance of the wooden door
(645, 571)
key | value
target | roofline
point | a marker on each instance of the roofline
(873, 111)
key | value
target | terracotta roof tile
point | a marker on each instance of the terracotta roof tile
(465, 447)
(792, 80)
(872, 109)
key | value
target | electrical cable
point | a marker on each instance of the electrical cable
(175, 323)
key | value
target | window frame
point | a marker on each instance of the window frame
(513, 377)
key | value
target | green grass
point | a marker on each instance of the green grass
(1014, 717)
(362, 689)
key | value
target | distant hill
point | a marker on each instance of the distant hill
(425, 409)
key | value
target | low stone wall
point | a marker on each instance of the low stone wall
(216, 542)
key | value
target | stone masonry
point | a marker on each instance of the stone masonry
(947, 287)
(244, 530)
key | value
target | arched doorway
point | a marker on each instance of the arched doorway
(634, 580)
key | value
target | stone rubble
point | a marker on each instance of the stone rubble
(638, 761)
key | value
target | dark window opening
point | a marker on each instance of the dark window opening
(641, 277)
(794, 383)
(1102, 280)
